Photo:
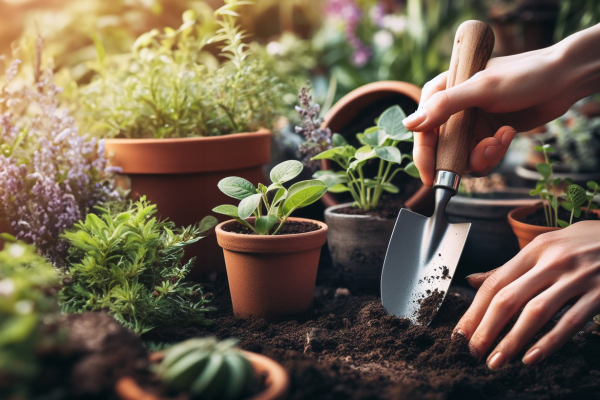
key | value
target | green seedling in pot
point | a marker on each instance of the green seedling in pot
(207, 369)
(379, 143)
(270, 205)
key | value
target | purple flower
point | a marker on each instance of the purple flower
(317, 140)
(350, 12)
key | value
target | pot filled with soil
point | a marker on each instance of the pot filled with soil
(174, 174)
(360, 231)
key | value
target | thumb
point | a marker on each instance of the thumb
(443, 104)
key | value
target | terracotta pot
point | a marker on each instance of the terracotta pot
(277, 380)
(526, 232)
(180, 176)
(271, 276)
(357, 111)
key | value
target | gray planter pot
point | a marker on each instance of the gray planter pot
(491, 241)
(357, 244)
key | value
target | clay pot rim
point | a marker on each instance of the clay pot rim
(278, 379)
(187, 140)
(329, 211)
(289, 243)
(514, 219)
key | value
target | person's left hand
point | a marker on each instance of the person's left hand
(554, 269)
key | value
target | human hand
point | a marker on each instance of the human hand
(556, 268)
(518, 92)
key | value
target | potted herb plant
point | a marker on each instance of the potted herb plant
(563, 203)
(359, 231)
(271, 257)
(180, 120)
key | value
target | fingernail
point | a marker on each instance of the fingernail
(473, 351)
(507, 137)
(491, 151)
(475, 275)
(457, 333)
(533, 356)
(496, 361)
(415, 119)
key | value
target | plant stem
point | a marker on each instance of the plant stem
(571, 219)
(244, 222)
(285, 217)
(364, 205)
(587, 210)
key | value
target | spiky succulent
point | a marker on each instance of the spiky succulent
(207, 369)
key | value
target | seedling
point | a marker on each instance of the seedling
(269, 210)
(379, 142)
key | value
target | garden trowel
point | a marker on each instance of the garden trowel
(424, 251)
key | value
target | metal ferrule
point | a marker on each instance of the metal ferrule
(447, 179)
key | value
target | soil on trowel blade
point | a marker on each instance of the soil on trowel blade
(429, 306)
(346, 347)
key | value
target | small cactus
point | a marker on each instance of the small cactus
(207, 369)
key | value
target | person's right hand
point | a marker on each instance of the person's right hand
(517, 92)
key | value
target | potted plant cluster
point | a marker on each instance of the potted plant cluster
(271, 257)
(359, 231)
(179, 120)
(563, 203)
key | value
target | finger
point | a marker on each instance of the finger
(490, 151)
(535, 315)
(441, 105)
(568, 325)
(433, 86)
(503, 276)
(424, 151)
(477, 279)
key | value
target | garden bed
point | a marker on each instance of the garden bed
(346, 347)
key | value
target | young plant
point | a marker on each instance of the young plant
(270, 210)
(379, 143)
(129, 263)
(208, 369)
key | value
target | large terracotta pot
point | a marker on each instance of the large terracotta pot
(180, 176)
(271, 276)
(526, 232)
(357, 111)
(277, 381)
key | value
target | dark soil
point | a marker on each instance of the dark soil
(289, 228)
(429, 307)
(538, 218)
(346, 347)
(98, 352)
(389, 207)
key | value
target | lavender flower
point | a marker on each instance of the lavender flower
(317, 140)
(50, 175)
(350, 12)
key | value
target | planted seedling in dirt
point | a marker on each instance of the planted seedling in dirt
(272, 205)
(380, 143)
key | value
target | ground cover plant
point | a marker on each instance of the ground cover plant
(268, 209)
(51, 175)
(171, 86)
(379, 143)
(130, 263)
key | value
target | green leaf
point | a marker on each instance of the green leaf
(576, 195)
(333, 179)
(592, 185)
(566, 206)
(544, 169)
(303, 193)
(554, 202)
(262, 188)
(208, 222)
(236, 187)
(577, 212)
(286, 171)
(370, 137)
(535, 192)
(390, 188)
(389, 153)
(562, 224)
(411, 169)
(339, 188)
(248, 205)
(391, 122)
(332, 154)
(549, 149)
(279, 196)
(338, 140)
(539, 148)
(265, 223)
(365, 153)
(227, 209)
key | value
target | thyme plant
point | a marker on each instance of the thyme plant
(379, 143)
(170, 86)
(269, 210)
(130, 263)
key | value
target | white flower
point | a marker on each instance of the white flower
(395, 23)
(383, 39)
(7, 287)
(24, 306)
(16, 250)
(275, 49)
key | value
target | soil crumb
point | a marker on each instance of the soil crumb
(289, 228)
(429, 307)
(538, 218)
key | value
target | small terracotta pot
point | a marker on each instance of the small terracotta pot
(371, 99)
(271, 276)
(277, 380)
(526, 232)
(180, 176)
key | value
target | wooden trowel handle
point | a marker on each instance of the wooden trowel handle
(473, 45)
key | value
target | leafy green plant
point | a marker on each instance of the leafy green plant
(207, 369)
(379, 142)
(548, 188)
(28, 302)
(130, 263)
(171, 86)
(270, 210)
